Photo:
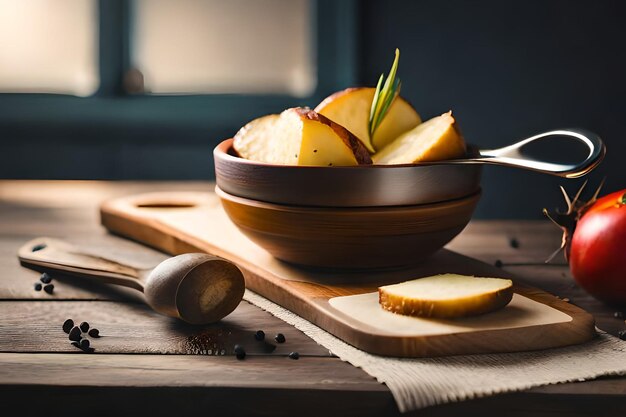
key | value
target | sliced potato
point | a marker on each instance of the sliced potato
(255, 140)
(351, 109)
(446, 296)
(434, 140)
(299, 136)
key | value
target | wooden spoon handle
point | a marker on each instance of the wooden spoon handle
(45, 253)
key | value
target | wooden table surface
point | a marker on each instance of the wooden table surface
(148, 364)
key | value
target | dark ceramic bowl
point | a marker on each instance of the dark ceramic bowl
(356, 186)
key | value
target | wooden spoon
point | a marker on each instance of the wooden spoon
(195, 287)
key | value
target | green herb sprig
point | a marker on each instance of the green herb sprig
(384, 95)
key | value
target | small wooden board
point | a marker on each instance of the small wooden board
(338, 301)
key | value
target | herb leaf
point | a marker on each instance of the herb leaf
(384, 97)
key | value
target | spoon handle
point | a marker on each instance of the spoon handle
(49, 254)
(512, 156)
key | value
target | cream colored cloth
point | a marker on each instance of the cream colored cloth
(419, 383)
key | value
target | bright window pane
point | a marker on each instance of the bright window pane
(49, 46)
(217, 46)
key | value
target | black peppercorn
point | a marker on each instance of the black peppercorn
(75, 343)
(294, 355)
(498, 263)
(75, 334)
(514, 243)
(37, 286)
(84, 326)
(45, 278)
(259, 335)
(84, 344)
(67, 325)
(280, 338)
(622, 334)
(240, 352)
(49, 288)
(94, 332)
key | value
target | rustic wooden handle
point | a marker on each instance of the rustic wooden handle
(45, 253)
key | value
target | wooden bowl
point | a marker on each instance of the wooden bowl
(357, 186)
(354, 238)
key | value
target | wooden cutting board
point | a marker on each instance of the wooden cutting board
(345, 303)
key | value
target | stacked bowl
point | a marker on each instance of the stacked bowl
(358, 217)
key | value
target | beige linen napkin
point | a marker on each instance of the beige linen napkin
(419, 383)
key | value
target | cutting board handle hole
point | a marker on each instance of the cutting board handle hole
(166, 204)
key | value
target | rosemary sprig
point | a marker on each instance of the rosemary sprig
(384, 95)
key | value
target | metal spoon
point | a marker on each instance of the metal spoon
(195, 287)
(512, 155)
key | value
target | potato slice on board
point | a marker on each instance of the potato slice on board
(437, 139)
(446, 296)
(299, 136)
(351, 109)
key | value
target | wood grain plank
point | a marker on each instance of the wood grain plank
(187, 385)
(67, 208)
(134, 328)
(490, 240)
(130, 385)
(99, 370)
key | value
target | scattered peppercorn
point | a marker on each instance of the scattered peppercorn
(294, 355)
(49, 288)
(622, 334)
(280, 338)
(498, 263)
(514, 243)
(37, 286)
(67, 325)
(75, 343)
(94, 332)
(240, 352)
(84, 344)
(75, 334)
(618, 315)
(259, 335)
(84, 326)
(45, 278)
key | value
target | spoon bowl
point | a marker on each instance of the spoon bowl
(197, 288)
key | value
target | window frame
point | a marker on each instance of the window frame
(111, 115)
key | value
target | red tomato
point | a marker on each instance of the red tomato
(597, 256)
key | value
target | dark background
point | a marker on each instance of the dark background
(508, 70)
